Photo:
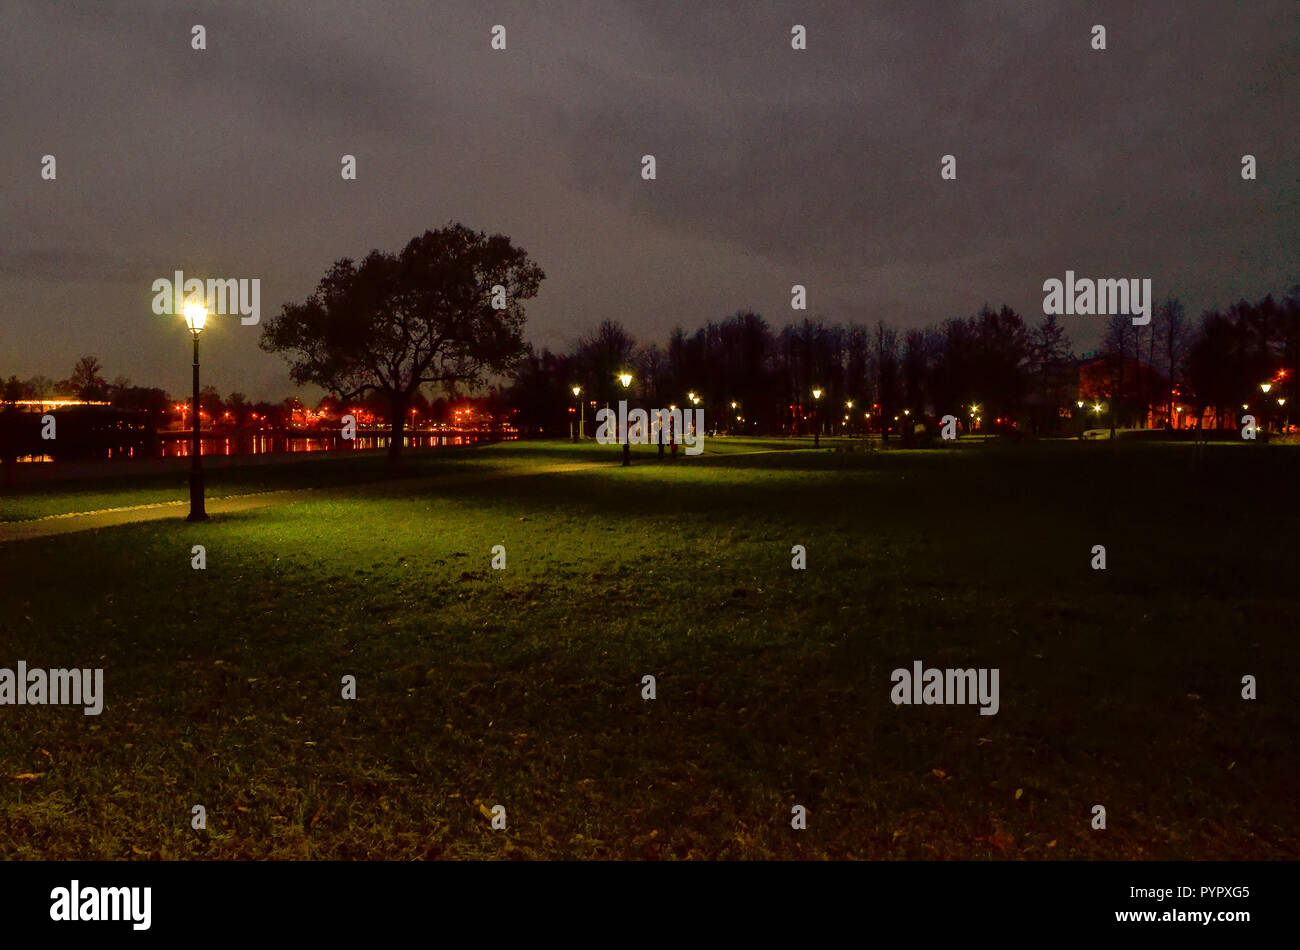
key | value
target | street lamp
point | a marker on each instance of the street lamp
(195, 316)
(817, 418)
(577, 432)
(626, 380)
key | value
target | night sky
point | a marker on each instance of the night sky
(775, 166)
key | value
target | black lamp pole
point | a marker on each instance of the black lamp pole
(197, 512)
(627, 424)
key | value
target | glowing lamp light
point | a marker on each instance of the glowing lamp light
(625, 379)
(576, 391)
(817, 394)
(195, 316)
(1265, 387)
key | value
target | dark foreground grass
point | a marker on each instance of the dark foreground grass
(523, 687)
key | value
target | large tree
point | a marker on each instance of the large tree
(86, 380)
(448, 309)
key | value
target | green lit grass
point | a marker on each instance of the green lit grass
(523, 686)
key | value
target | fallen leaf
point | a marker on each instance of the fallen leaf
(28, 776)
(1001, 840)
(485, 811)
(939, 773)
(1019, 792)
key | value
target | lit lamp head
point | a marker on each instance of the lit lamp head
(195, 316)
(1265, 387)
(576, 391)
(817, 394)
(625, 379)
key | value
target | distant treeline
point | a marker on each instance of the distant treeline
(992, 365)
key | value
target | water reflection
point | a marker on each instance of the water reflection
(176, 444)
(264, 444)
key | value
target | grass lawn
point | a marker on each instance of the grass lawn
(34, 499)
(523, 686)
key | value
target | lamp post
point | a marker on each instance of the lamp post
(817, 419)
(195, 316)
(626, 380)
(577, 432)
(1264, 388)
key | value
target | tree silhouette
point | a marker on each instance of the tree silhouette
(394, 322)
